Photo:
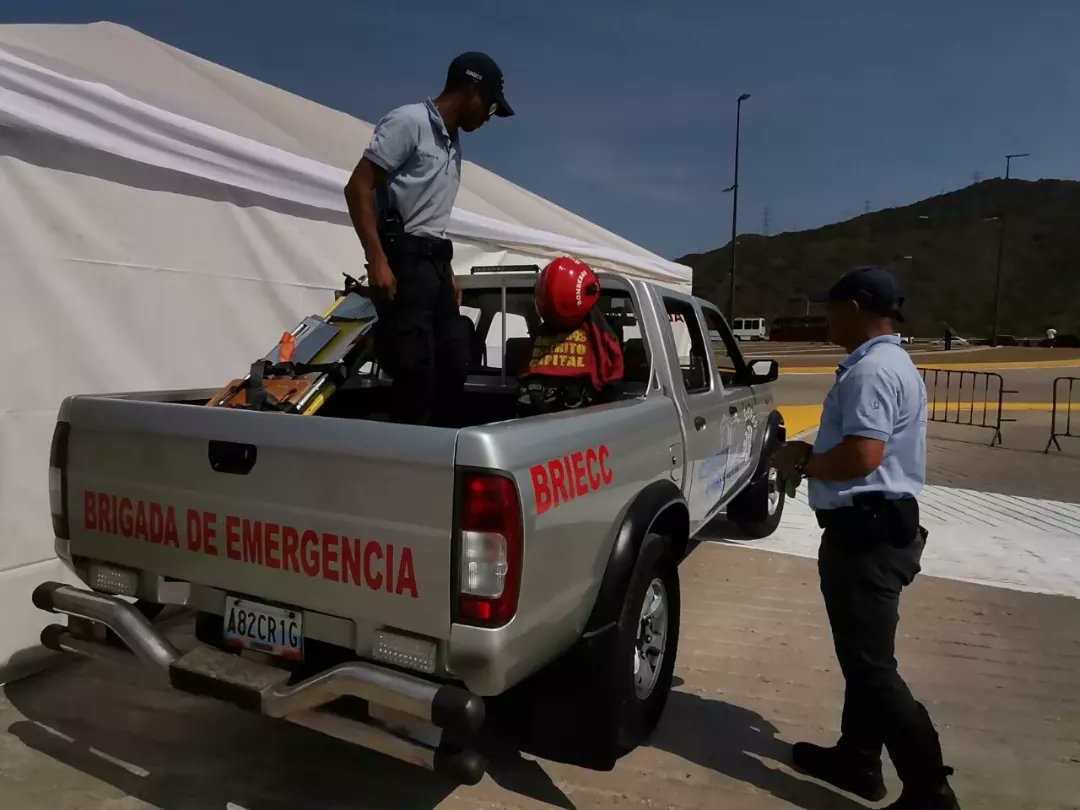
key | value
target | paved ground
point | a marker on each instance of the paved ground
(998, 669)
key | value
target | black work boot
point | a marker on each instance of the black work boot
(935, 795)
(839, 768)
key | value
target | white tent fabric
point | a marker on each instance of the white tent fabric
(164, 218)
(101, 118)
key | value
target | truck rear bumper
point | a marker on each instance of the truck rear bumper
(405, 716)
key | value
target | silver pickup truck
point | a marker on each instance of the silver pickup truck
(415, 589)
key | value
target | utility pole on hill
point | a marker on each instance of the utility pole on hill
(734, 187)
(1001, 249)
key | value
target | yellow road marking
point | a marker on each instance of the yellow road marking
(801, 418)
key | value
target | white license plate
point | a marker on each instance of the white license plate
(264, 628)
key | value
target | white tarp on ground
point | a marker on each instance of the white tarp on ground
(164, 218)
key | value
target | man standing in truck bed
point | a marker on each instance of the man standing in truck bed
(400, 197)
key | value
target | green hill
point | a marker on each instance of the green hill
(950, 273)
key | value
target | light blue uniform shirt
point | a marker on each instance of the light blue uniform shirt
(423, 166)
(879, 394)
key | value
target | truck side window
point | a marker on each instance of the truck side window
(690, 345)
(729, 360)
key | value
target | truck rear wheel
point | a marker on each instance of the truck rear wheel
(605, 695)
(648, 640)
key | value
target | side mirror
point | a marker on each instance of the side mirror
(764, 371)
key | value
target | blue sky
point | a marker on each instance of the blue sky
(626, 110)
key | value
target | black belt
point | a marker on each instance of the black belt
(407, 244)
(863, 504)
(874, 513)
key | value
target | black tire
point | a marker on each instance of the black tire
(583, 708)
(766, 499)
(639, 711)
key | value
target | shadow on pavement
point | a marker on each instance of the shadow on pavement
(186, 753)
(739, 743)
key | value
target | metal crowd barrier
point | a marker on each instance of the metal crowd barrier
(968, 398)
(1055, 434)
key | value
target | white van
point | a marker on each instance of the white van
(749, 328)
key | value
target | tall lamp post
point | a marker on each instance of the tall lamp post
(1000, 253)
(735, 207)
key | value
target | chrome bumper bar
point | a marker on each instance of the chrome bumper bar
(400, 707)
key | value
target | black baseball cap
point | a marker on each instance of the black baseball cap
(874, 289)
(481, 69)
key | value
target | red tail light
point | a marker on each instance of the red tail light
(58, 494)
(490, 550)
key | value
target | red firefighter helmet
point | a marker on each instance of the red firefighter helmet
(566, 292)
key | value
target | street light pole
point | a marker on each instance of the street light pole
(1000, 253)
(735, 207)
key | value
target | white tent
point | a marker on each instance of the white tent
(163, 219)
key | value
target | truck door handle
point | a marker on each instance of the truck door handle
(699, 422)
(232, 457)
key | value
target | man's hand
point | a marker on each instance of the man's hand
(791, 454)
(382, 279)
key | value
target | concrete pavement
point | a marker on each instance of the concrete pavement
(997, 669)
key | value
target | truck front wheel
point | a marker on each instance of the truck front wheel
(648, 640)
(757, 510)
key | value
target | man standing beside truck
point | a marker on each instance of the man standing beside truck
(865, 470)
(400, 197)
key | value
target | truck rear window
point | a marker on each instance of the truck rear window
(485, 308)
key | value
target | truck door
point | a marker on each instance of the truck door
(703, 409)
(738, 446)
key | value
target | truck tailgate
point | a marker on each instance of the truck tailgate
(345, 517)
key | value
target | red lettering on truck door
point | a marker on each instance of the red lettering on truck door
(541, 489)
(562, 480)
(592, 460)
(558, 482)
(605, 473)
(579, 473)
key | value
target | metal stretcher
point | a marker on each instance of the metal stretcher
(311, 362)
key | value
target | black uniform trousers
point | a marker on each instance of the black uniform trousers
(421, 339)
(868, 555)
